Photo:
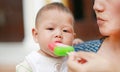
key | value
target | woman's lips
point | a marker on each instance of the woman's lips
(100, 21)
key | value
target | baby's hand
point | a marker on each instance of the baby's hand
(77, 41)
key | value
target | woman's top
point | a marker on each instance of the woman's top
(89, 46)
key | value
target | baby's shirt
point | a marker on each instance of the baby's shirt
(40, 63)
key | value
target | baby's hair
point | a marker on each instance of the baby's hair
(53, 6)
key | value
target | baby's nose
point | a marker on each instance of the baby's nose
(58, 34)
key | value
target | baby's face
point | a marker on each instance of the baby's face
(54, 26)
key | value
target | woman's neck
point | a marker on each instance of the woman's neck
(110, 45)
(113, 42)
(110, 49)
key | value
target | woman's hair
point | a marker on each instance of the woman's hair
(52, 6)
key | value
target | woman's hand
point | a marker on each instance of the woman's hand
(88, 62)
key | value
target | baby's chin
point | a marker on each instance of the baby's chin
(55, 56)
(49, 53)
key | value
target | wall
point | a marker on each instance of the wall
(11, 53)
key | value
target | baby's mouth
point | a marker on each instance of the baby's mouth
(58, 42)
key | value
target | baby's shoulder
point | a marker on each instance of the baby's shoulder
(23, 67)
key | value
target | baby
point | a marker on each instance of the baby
(54, 24)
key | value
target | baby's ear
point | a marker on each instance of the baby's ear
(35, 34)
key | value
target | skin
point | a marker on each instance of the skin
(88, 62)
(53, 26)
(108, 57)
(108, 16)
(77, 41)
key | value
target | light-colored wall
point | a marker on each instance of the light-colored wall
(14, 52)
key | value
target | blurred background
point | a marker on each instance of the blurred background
(17, 18)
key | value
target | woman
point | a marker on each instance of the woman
(108, 56)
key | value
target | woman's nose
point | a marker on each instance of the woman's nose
(98, 6)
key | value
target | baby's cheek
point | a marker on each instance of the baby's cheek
(69, 41)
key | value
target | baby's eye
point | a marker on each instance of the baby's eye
(50, 28)
(65, 30)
